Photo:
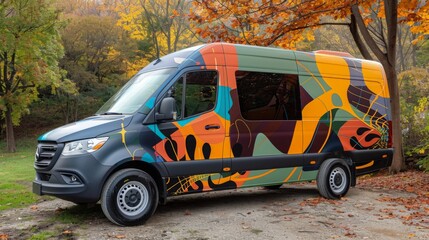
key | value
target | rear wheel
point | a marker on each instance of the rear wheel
(129, 197)
(333, 178)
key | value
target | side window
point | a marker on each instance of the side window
(268, 96)
(195, 93)
(177, 93)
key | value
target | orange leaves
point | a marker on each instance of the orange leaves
(318, 200)
(416, 15)
(416, 207)
(116, 236)
(281, 23)
(4, 236)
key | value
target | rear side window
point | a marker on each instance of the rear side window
(268, 96)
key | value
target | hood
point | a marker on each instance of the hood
(87, 128)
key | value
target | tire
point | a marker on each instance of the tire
(129, 197)
(273, 187)
(333, 178)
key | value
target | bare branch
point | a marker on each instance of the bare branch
(366, 35)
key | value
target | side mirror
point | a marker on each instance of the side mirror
(167, 110)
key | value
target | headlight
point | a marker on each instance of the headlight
(84, 146)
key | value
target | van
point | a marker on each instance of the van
(222, 116)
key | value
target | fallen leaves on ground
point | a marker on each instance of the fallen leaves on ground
(67, 232)
(318, 200)
(117, 236)
(411, 181)
(4, 236)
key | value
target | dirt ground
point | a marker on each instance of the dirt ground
(292, 212)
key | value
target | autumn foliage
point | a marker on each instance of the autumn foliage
(284, 23)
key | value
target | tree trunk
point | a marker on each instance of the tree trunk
(10, 137)
(398, 164)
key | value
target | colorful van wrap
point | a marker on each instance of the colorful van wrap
(276, 117)
(344, 103)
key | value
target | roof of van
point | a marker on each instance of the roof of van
(214, 54)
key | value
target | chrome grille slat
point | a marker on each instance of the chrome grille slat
(46, 154)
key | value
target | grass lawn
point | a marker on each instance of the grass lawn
(17, 174)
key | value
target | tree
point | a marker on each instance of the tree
(29, 52)
(95, 60)
(159, 25)
(373, 25)
(414, 92)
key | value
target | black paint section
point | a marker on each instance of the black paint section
(207, 150)
(191, 145)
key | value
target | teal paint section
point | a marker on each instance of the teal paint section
(279, 176)
(264, 147)
(311, 86)
(308, 176)
(148, 158)
(44, 136)
(336, 100)
(266, 59)
(150, 103)
(156, 130)
(224, 103)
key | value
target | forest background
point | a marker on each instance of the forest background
(60, 60)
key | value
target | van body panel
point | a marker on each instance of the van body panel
(87, 128)
(263, 59)
(249, 137)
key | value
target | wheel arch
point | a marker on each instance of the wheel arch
(150, 169)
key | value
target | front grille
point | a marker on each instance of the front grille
(47, 154)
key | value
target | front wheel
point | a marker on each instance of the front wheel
(333, 178)
(129, 197)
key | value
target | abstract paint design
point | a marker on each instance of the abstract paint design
(345, 107)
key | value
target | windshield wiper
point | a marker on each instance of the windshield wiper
(111, 113)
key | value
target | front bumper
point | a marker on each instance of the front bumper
(77, 179)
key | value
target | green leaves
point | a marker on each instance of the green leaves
(30, 49)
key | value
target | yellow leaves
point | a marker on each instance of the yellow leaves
(309, 35)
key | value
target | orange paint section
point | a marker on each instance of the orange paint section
(349, 130)
(231, 60)
(240, 179)
(365, 165)
(375, 78)
(296, 144)
(213, 55)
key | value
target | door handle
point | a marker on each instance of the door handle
(212, 126)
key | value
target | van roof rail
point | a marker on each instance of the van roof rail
(335, 53)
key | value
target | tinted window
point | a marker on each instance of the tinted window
(195, 93)
(268, 96)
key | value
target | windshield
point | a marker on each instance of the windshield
(135, 93)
